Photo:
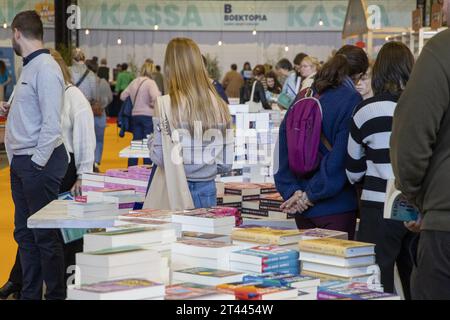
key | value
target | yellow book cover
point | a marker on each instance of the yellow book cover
(337, 247)
(262, 235)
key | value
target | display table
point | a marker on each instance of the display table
(134, 154)
(54, 216)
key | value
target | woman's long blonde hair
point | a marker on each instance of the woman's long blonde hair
(62, 64)
(193, 96)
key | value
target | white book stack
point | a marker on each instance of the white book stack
(92, 182)
(205, 222)
(338, 258)
(135, 222)
(124, 198)
(124, 289)
(206, 276)
(201, 253)
(100, 208)
(121, 263)
(128, 237)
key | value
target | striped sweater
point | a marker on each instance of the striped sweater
(368, 160)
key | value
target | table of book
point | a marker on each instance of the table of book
(55, 216)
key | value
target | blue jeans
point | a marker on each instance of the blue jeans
(203, 193)
(100, 125)
(142, 126)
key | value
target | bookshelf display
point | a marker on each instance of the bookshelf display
(416, 40)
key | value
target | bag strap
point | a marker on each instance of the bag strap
(252, 95)
(137, 91)
(85, 74)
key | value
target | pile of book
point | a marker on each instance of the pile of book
(192, 291)
(81, 208)
(350, 261)
(307, 286)
(92, 182)
(124, 289)
(216, 221)
(202, 253)
(206, 276)
(342, 290)
(265, 259)
(126, 199)
(121, 263)
(268, 205)
(151, 218)
(139, 145)
(236, 194)
(136, 177)
(309, 234)
(117, 249)
(259, 291)
(250, 236)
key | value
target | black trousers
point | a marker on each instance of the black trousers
(70, 249)
(40, 250)
(431, 274)
(394, 244)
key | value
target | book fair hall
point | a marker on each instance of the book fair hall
(224, 150)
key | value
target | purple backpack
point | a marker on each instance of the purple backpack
(304, 133)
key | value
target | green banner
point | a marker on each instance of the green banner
(233, 15)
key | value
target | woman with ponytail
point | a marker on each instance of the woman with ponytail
(326, 199)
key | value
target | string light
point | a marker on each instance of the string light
(87, 32)
(321, 22)
(220, 42)
(254, 32)
(286, 48)
(119, 41)
(156, 27)
(5, 25)
(387, 38)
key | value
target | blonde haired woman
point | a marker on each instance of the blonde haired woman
(201, 118)
(143, 92)
(308, 70)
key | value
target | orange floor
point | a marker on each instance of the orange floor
(8, 247)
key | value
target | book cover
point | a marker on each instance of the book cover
(265, 254)
(186, 291)
(284, 280)
(309, 234)
(118, 285)
(259, 291)
(337, 247)
(205, 272)
(397, 207)
(205, 243)
(266, 235)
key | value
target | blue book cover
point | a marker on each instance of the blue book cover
(402, 210)
(271, 254)
(278, 279)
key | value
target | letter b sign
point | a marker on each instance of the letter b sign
(227, 8)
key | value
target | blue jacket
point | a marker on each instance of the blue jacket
(124, 118)
(328, 188)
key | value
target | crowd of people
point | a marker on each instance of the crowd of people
(382, 120)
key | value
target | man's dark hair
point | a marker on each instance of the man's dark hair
(124, 66)
(158, 68)
(29, 24)
(284, 64)
(392, 68)
(234, 67)
(95, 59)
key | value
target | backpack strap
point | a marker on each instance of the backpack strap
(85, 74)
(137, 91)
(325, 142)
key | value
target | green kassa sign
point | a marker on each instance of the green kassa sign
(231, 15)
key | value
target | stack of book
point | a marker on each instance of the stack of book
(344, 259)
(202, 253)
(92, 182)
(121, 263)
(125, 289)
(139, 236)
(206, 276)
(124, 178)
(310, 234)
(307, 286)
(207, 221)
(250, 236)
(265, 259)
(352, 291)
(139, 145)
(126, 199)
(267, 206)
(192, 291)
(81, 208)
(259, 291)
(151, 218)
(189, 235)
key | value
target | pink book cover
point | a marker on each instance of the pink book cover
(119, 285)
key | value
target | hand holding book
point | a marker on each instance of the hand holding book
(414, 226)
